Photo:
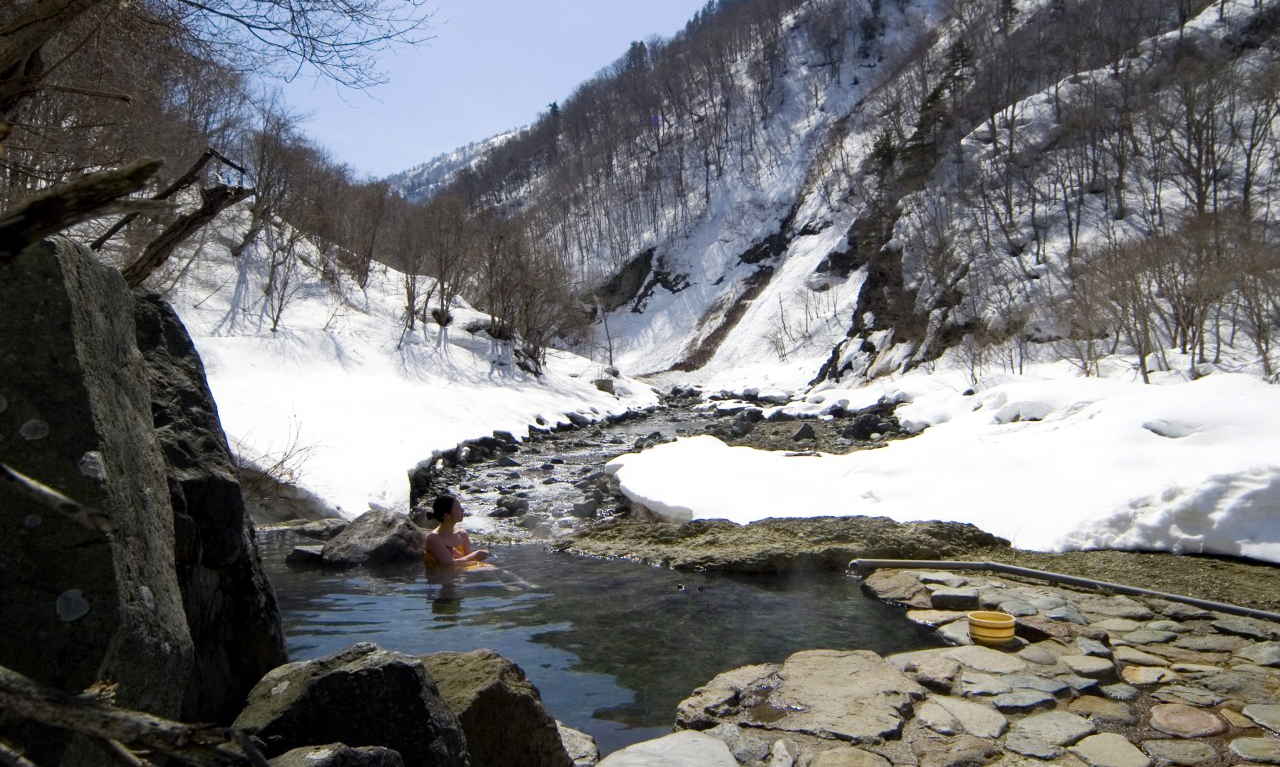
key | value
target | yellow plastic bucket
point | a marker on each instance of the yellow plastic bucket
(990, 628)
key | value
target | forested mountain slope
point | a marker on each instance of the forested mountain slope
(855, 187)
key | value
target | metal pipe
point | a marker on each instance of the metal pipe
(867, 565)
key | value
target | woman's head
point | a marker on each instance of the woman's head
(442, 507)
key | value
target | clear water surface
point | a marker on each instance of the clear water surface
(612, 646)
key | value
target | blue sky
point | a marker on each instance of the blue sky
(492, 65)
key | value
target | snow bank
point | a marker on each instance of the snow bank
(1051, 463)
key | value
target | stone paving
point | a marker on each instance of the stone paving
(1090, 680)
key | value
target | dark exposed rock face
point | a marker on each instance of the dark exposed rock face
(230, 606)
(778, 545)
(79, 605)
(376, 537)
(338, 755)
(361, 696)
(501, 712)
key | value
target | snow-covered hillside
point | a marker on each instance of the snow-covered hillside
(344, 392)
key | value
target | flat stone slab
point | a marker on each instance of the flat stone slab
(1184, 752)
(1090, 666)
(1102, 710)
(950, 580)
(1109, 750)
(1137, 657)
(974, 718)
(1192, 696)
(986, 659)
(1114, 607)
(954, 599)
(934, 618)
(854, 696)
(1022, 700)
(1092, 647)
(960, 751)
(848, 756)
(1244, 627)
(1210, 642)
(977, 683)
(1120, 691)
(1147, 675)
(1117, 625)
(1037, 655)
(686, 748)
(1029, 745)
(1265, 750)
(1265, 714)
(1149, 636)
(1054, 687)
(1262, 653)
(1058, 728)
(1066, 613)
(1183, 721)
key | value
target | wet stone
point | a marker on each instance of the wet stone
(950, 580)
(1089, 666)
(1147, 636)
(1265, 750)
(1262, 653)
(1265, 714)
(1210, 643)
(1183, 752)
(1057, 728)
(954, 599)
(1243, 627)
(1022, 700)
(1102, 710)
(1109, 750)
(1137, 657)
(1192, 696)
(1183, 721)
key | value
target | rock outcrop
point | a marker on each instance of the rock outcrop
(500, 711)
(777, 545)
(82, 605)
(229, 603)
(360, 696)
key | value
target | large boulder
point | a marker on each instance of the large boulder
(501, 712)
(360, 696)
(82, 605)
(375, 538)
(229, 603)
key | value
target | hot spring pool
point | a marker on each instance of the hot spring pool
(612, 646)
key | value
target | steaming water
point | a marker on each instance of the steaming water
(612, 646)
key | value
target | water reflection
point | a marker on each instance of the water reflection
(612, 646)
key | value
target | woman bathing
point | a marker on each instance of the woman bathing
(448, 546)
